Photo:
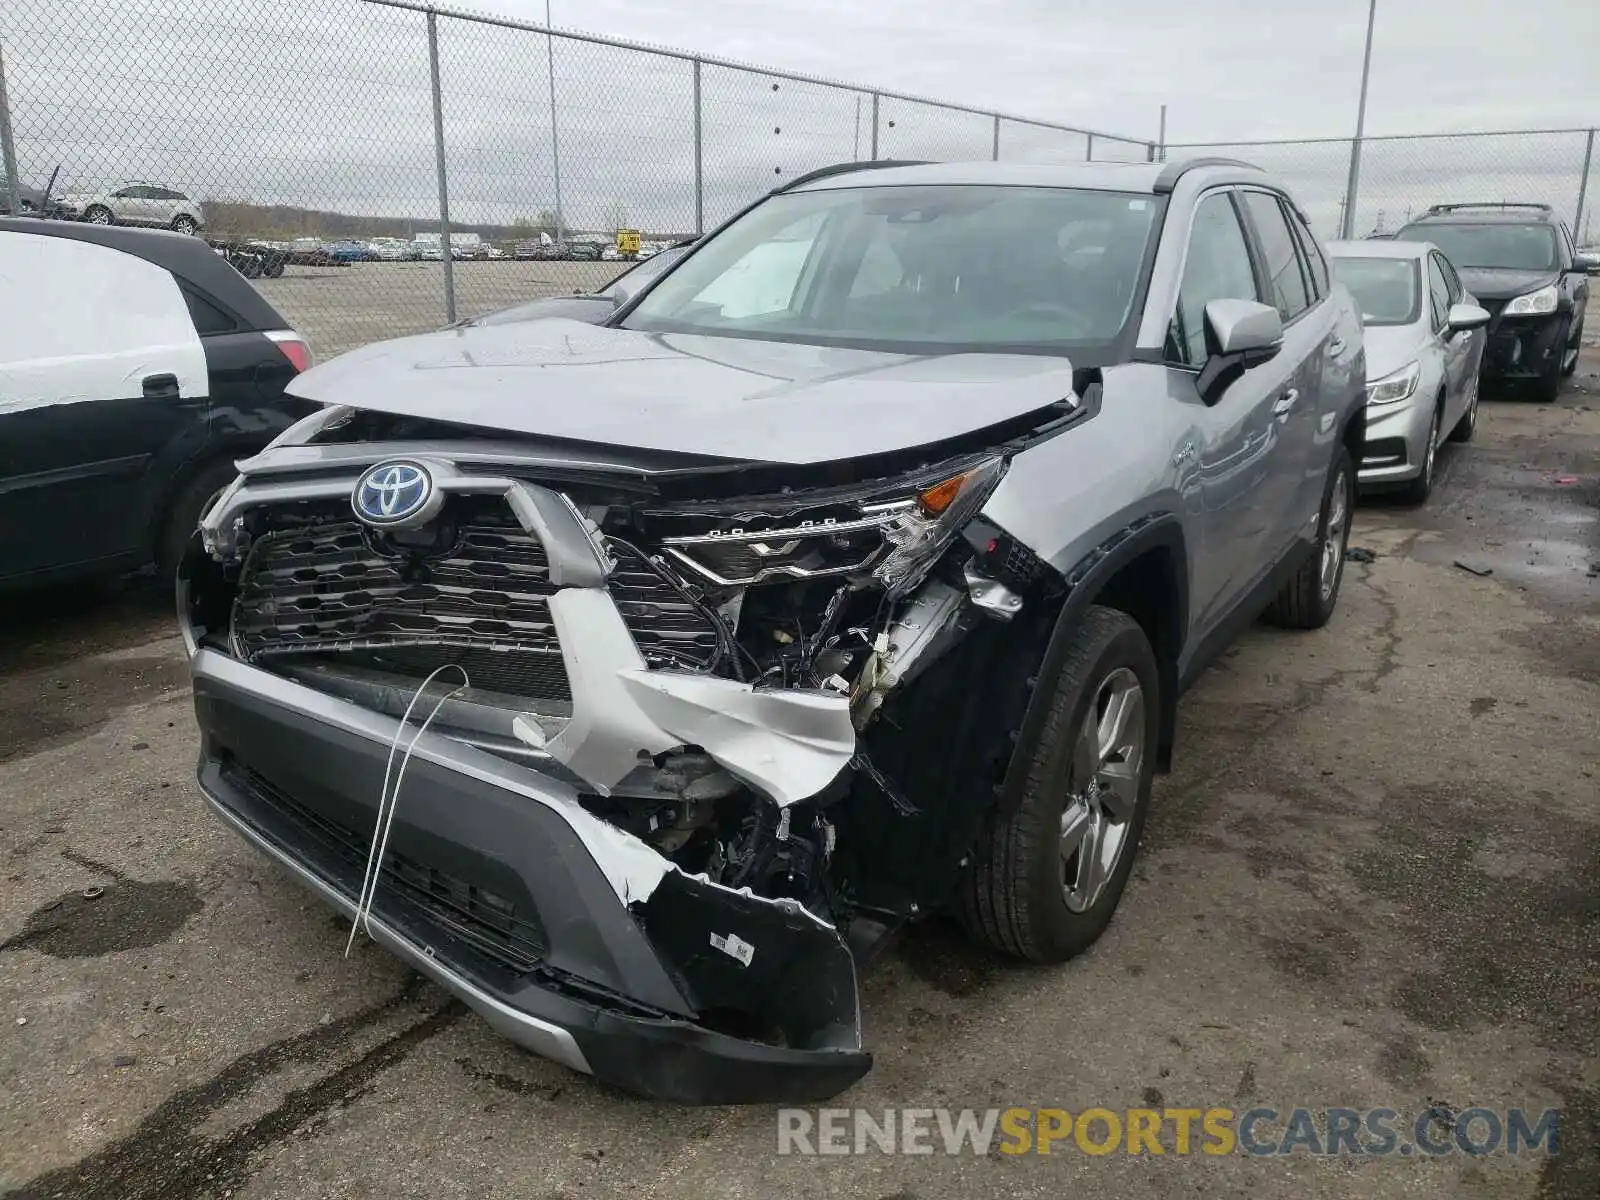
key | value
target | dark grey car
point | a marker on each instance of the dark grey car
(637, 680)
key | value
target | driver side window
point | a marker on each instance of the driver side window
(1217, 267)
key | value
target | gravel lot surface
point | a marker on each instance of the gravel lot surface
(1372, 880)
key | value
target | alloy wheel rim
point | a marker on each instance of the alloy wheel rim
(99, 217)
(1103, 788)
(1333, 534)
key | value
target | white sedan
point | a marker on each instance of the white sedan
(1424, 339)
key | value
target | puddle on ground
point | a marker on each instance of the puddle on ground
(127, 915)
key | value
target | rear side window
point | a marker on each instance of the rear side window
(1438, 292)
(1280, 256)
(1311, 252)
(208, 317)
(1216, 267)
(1451, 279)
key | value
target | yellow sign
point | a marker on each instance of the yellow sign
(627, 241)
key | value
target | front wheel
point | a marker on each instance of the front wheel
(183, 223)
(1569, 356)
(1308, 599)
(1468, 424)
(1420, 488)
(1045, 879)
(97, 214)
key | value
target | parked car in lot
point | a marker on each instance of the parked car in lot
(593, 307)
(784, 605)
(1519, 261)
(135, 366)
(390, 249)
(308, 252)
(349, 250)
(34, 202)
(137, 203)
(527, 250)
(1424, 339)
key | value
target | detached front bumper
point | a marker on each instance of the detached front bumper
(569, 936)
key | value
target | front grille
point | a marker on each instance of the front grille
(339, 587)
(494, 925)
(321, 586)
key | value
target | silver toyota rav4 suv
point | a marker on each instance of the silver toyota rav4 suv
(638, 680)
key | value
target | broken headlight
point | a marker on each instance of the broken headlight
(890, 535)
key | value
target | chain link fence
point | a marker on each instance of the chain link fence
(1401, 176)
(298, 123)
(384, 127)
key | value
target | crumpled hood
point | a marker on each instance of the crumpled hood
(1390, 347)
(725, 397)
(1491, 283)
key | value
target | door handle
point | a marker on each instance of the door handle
(160, 387)
(1285, 402)
(1336, 347)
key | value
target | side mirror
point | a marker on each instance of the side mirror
(1466, 316)
(1585, 263)
(1240, 334)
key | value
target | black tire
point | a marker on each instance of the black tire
(1419, 489)
(1014, 895)
(249, 266)
(184, 510)
(1304, 603)
(1468, 424)
(98, 214)
(1576, 345)
(183, 223)
(273, 267)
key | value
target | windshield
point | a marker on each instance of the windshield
(1506, 247)
(943, 268)
(1389, 290)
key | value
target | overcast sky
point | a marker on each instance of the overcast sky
(1227, 69)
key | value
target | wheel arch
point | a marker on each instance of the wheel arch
(1143, 571)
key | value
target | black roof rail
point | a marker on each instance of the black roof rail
(1500, 204)
(1168, 179)
(846, 168)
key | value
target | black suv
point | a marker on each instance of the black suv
(1519, 261)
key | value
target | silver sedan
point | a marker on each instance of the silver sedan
(1424, 338)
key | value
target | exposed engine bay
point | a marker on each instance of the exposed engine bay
(777, 632)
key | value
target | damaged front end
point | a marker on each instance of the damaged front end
(685, 791)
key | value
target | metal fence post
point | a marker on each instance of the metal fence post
(8, 149)
(444, 186)
(699, 161)
(995, 156)
(1088, 147)
(874, 126)
(1583, 186)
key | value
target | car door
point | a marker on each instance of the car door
(129, 203)
(100, 368)
(1227, 465)
(1294, 489)
(1455, 346)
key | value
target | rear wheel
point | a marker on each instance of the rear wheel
(183, 223)
(1308, 599)
(1045, 879)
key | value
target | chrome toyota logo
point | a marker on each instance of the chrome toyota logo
(395, 493)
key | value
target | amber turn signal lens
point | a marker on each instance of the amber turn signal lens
(941, 496)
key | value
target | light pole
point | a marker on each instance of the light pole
(555, 145)
(1361, 119)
